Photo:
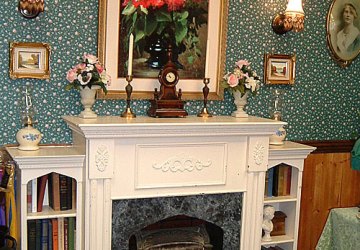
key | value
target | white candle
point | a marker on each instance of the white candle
(131, 48)
(207, 58)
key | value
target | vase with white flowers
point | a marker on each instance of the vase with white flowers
(240, 82)
(88, 77)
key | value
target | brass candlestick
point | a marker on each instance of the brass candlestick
(128, 112)
(205, 112)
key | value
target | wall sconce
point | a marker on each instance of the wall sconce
(31, 8)
(293, 19)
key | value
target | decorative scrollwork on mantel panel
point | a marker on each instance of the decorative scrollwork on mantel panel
(259, 153)
(182, 163)
(102, 158)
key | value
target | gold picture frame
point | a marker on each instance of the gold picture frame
(29, 60)
(343, 45)
(143, 88)
(279, 69)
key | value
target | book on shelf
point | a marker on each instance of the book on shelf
(270, 182)
(54, 191)
(55, 229)
(44, 234)
(73, 193)
(41, 191)
(71, 233)
(65, 192)
(31, 230)
(61, 233)
(50, 233)
(29, 196)
(66, 234)
(278, 181)
(38, 234)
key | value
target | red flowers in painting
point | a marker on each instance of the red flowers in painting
(172, 5)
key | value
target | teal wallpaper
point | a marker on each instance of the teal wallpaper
(322, 105)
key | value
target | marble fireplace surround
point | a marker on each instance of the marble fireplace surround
(147, 157)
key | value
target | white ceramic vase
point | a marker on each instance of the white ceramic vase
(240, 102)
(88, 100)
(279, 137)
(28, 138)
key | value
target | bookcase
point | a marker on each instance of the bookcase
(64, 160)
(291, 155)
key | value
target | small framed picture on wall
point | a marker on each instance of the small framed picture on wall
(29, 60)
(279, 69)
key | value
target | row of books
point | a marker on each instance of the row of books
(55, 190)
(278, 181)
(52, 234)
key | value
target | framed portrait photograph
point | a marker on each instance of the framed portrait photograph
(29, 60)
(188, 28)
(279, 69)
(343, 30)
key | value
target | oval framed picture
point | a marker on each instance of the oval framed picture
(343, 30)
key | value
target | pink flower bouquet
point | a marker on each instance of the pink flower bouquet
(87, 74)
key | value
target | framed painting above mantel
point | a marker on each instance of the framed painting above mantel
(198, 24)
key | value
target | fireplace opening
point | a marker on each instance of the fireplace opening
(223, 210)
(178, 232)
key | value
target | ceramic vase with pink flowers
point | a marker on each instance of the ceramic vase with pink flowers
(240, 82)
(88, 77)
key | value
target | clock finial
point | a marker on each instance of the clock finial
(169, 53)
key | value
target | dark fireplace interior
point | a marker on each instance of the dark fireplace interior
(178, 232)
(218, 214)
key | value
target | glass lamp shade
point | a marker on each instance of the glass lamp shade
(294, 7)
(276, 107)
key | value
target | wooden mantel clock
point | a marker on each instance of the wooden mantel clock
(168, 102)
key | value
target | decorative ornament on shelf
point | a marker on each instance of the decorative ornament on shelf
(276, 114)
(267, 224)
(88, 77)
(239, 83)
(28, 137)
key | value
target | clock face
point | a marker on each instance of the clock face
(170, 77)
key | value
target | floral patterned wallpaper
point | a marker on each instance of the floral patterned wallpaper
(322, 105)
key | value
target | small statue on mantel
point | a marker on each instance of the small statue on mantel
(267, 224)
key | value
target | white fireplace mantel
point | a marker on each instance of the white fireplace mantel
(148, 157)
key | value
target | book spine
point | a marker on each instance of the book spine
(41, 192)
(38, 234)
(275, 180)
(69, 192)
(28, 196)
(289, 176)
(66, 234)
(63, 192)
(44, 234)
(71, 233)
(56, 191)
(34, 196)
(31, 228)
(50, 233)
(61, 233)
(55, 231)
(271, 182)
(281, 175)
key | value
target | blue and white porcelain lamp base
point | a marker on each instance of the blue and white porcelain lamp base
(28, 138)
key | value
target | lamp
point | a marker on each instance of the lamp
(30, 8)
(293, 19)
(28, 137)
